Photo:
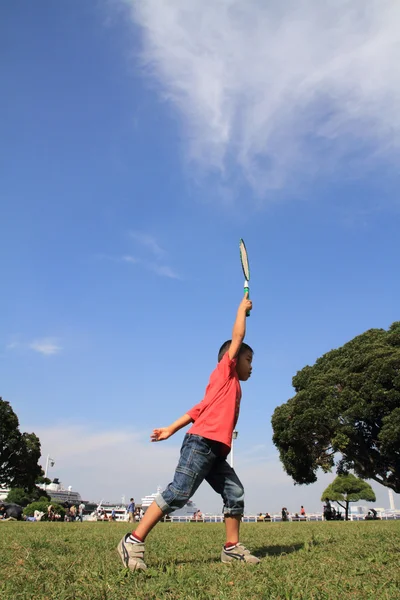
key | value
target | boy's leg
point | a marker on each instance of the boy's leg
(196, 460)
(131, 547)
(151, 517)
(225, 482)
(232, 527)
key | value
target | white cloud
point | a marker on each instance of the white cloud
(131, 259)
(46, 346)
(13, 345)
(277, 91)
(149, 247)
(148, 242)
(163, 270)
(159, 269)
(106, 464)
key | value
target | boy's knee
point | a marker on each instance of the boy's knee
(171, 499)
(234, 503)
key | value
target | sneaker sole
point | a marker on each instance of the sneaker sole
(228, 560)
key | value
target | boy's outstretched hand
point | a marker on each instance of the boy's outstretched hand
(162, 433)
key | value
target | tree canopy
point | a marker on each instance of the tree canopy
(346, 412)
(348, 488)
(19, 452)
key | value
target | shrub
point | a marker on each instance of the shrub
(42, 506)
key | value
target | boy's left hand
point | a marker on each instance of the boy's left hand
(162, 433)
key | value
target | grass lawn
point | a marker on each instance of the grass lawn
(321, 561)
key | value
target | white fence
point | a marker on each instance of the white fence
(245, 519)
(274, 518)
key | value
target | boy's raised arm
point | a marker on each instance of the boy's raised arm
(239, 328)
(163, 433)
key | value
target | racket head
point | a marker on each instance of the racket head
(244, 259)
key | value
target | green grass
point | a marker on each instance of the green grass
(321, 561)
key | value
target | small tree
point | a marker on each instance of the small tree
(348, 488)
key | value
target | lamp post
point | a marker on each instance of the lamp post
(234, 436)
(49, 463)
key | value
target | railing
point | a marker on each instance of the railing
(245, 519)
(274, 518)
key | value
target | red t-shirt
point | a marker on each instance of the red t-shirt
(216, 415)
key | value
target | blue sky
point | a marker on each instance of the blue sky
(140, 141)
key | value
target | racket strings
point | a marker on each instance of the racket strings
(245, 262)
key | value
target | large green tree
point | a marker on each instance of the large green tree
(346, 412)
(19, 452)
(348, 488)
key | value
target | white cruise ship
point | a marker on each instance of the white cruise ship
(186, 511)
(60, 494)
(55, 490)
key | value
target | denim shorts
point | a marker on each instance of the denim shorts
(201, 460)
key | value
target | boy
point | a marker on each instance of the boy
(204, 451)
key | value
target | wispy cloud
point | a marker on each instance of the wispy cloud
(148, 242)
(13, 345)
(151, 255)
(163, 270)
(159, 269)
(278, 91)
(46, 346)
(130, 259)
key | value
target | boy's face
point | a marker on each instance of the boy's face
(243, 365)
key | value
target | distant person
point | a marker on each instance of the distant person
(204, 451)
(81, 508)
(285, 514)
(267, 517)
(327, 510)
(113, 515)
(372, 515)
(131, 511)
(302, 511)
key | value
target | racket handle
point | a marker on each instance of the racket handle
(247, 291)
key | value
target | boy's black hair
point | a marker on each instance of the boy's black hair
(225, 347)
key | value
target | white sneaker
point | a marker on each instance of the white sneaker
(132, 555)
(238, 553)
